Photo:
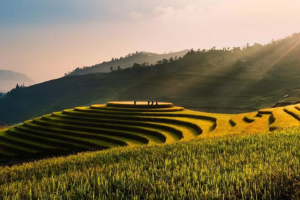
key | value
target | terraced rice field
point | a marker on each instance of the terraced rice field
(120, 124)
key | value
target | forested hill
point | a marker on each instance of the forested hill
(145, 58)
(251, 76)
(9, 80)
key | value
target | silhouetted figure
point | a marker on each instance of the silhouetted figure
(152, 103)
(156, 103)
(134, 102)
(148, 103)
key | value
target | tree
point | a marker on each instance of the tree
(136, 65)
(236, 48)
(165, 61)
(189, 53)
(145, 64)
(17, 86)
(159, 62)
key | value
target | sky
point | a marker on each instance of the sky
(45, 39)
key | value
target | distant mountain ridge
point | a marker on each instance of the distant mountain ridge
(9, 79)
(217, 80)
(126, 62)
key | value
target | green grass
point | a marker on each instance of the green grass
(257, 166)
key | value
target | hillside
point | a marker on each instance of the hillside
(126, 62)
(9, 80)
(249, 77)
(157, 152)
(264, 166)
(120, 124)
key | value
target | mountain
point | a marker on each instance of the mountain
(127, 61)
(217, 80)
(9, 80)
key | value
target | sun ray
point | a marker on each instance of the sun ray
(284, 54)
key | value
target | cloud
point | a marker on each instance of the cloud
(186, 14)
(136, 15)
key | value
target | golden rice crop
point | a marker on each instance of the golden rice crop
(257, 166)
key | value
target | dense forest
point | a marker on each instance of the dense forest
(2, 94)
(252, 76)
(125, 62)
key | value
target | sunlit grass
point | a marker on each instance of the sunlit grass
(257, 166)
(173, 154)
(100, 127)
(3, 128)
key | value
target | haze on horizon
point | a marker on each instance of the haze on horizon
(45, 39)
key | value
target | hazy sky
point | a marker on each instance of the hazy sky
(46, 38)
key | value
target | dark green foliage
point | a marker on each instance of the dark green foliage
(141, 58)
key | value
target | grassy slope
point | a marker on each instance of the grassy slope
(60, 94)
(101, 127)
(3, 127)
(97, 128)
(255, 77)
(241, 159)
(263, 166)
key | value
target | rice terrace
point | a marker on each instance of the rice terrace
(220, 155)
(150, 100)
(127, 124)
